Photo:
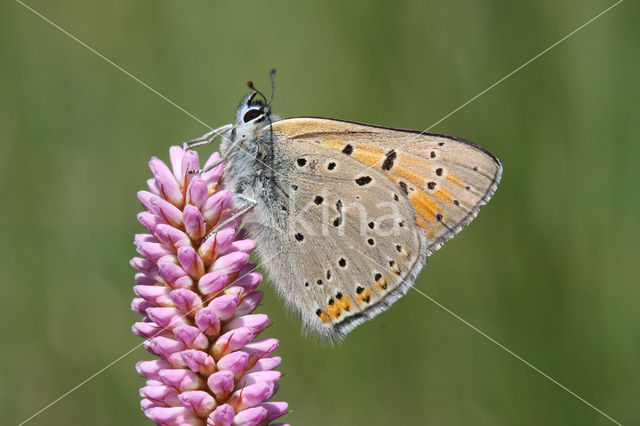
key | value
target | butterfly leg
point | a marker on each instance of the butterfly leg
(209, 137)
(248, 205)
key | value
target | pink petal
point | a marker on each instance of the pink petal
(187, 301)
(163, 394)
(172, 237)
(194, 222)
(222, 416)
(259, 376)
(234, 362)
(167, 183)
(231, 341)
(275, 409)
(249, 303)
(251, 395)
(200, 402)
(191, 337)
(212, 282)
(182, 380)
(151, 369)
(216, 205)
(190, 262)
(251, 417)
(208, 322)
(149, 221)
(264, 364)
(178, 416)
(198, 361)
(197, 192)
(230, 263)
(176, 154)
(156, 294)
(224, 306)
(254, 322)
(221, 384)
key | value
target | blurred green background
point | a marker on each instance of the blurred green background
(550, 268)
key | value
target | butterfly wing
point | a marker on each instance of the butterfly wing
(446, 179)
(359, 215)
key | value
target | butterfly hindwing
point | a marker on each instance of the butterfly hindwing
(350, 239)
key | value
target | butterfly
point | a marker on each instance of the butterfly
(345, 214)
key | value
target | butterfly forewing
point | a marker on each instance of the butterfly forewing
(446, 179)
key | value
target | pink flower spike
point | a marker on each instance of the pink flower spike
(222, 416)
(197, 300)
(200, 402)
(166, 182)
(250, 417)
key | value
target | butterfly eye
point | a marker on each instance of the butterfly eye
(251, 114)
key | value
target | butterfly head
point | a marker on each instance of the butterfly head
(254, 113)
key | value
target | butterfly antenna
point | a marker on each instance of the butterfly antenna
(272, 75)
(252, 87)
